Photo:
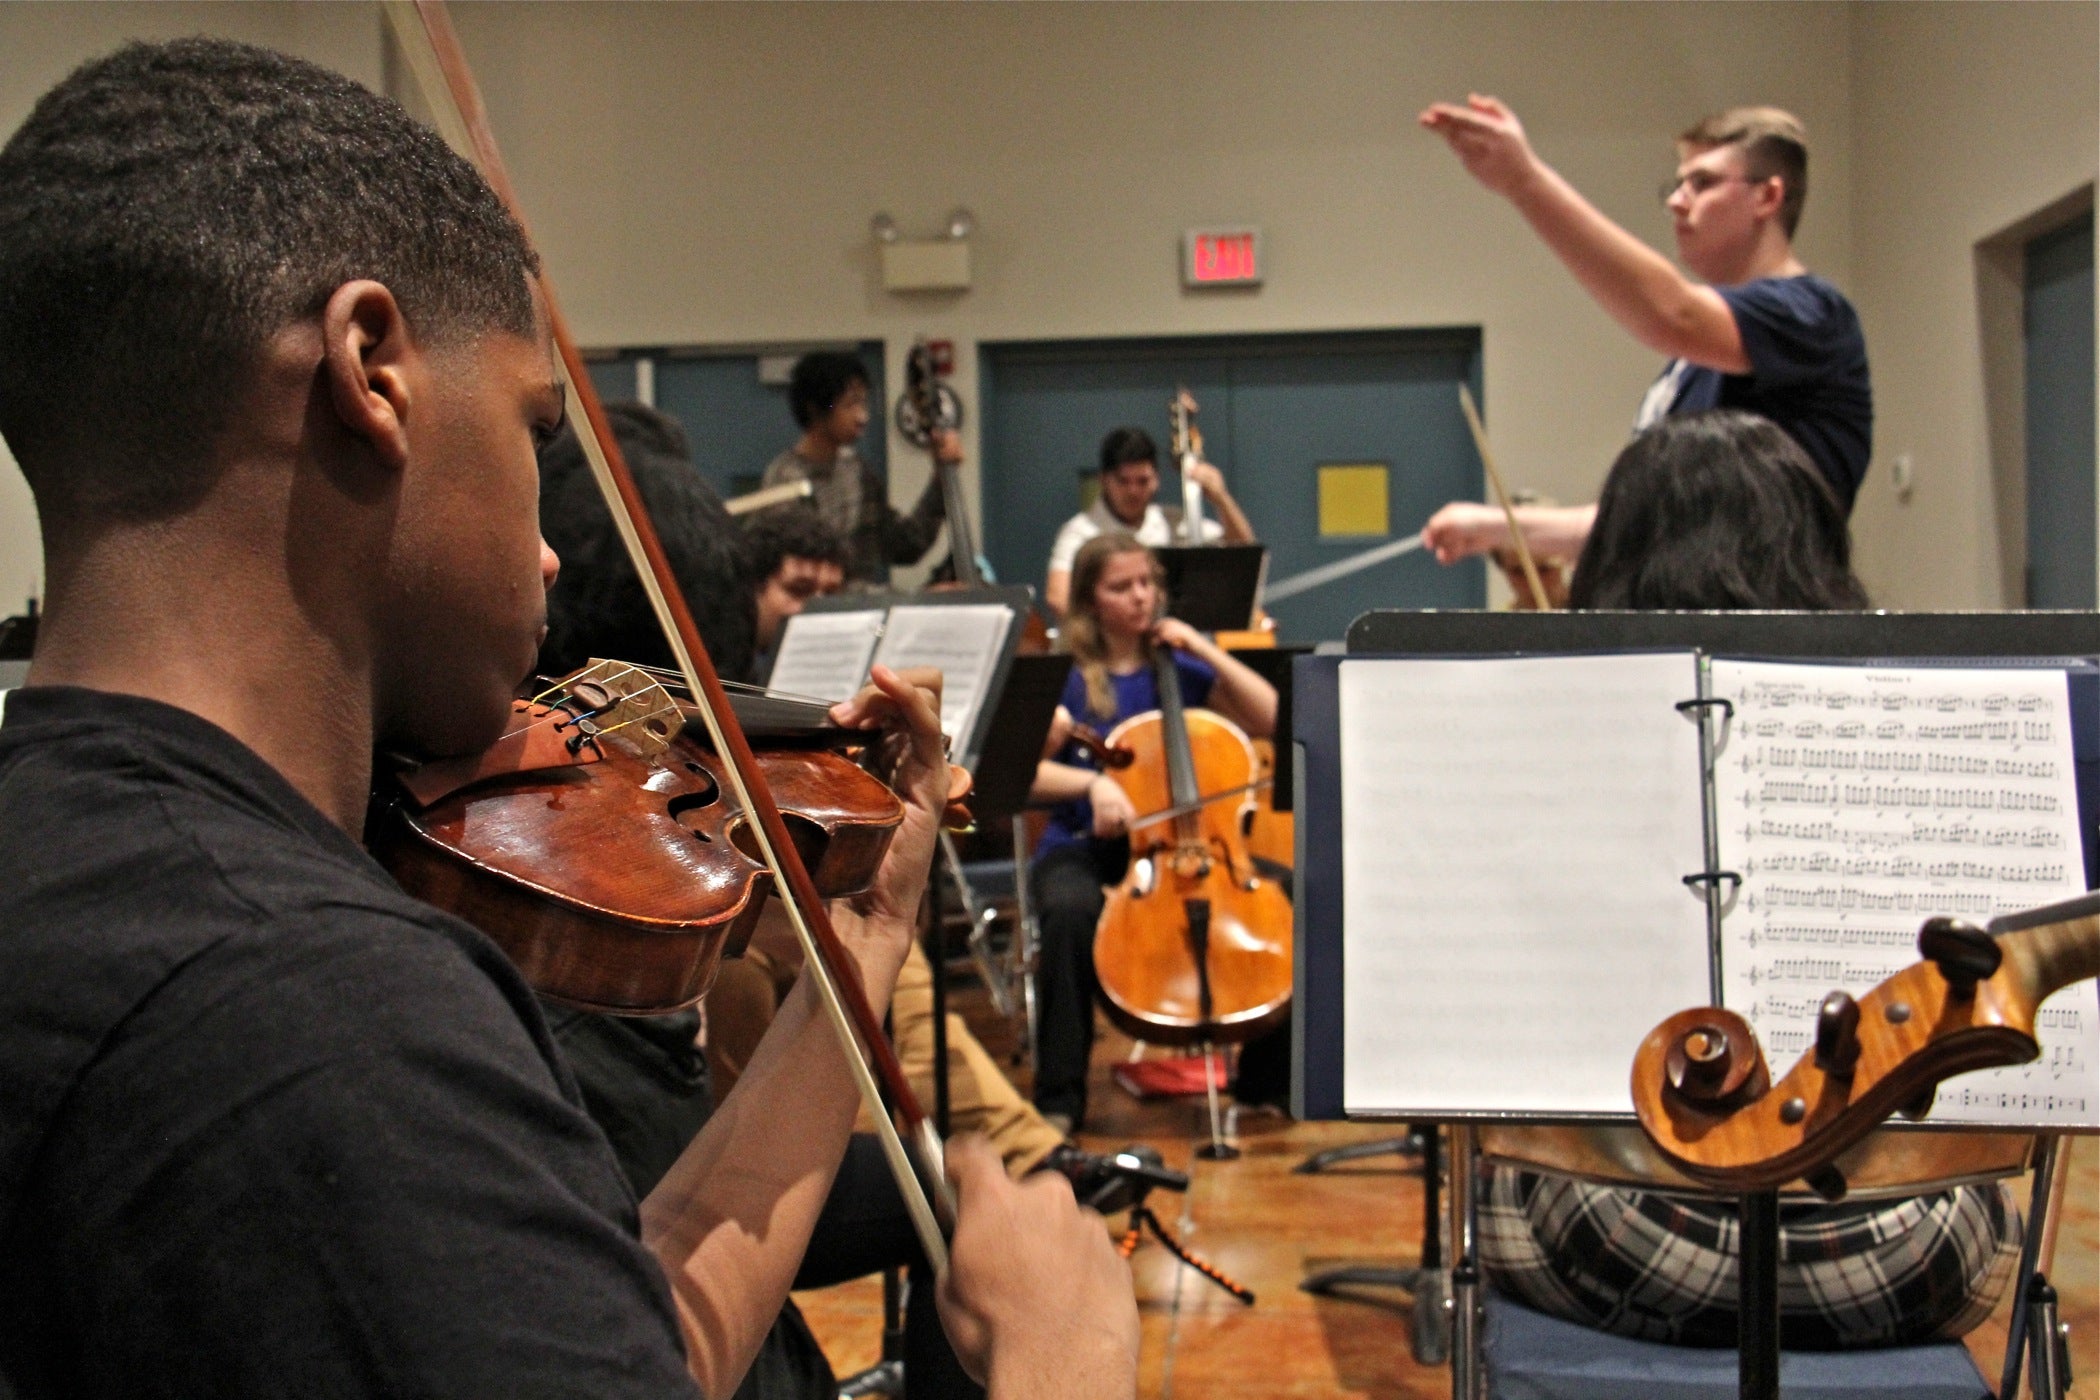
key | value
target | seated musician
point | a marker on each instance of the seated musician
(1111, 631)
(1749, 328)
(1129, 480)
(273, 361)
(1722, 509)
(828, 394)
(790, 557)
(645, 1080)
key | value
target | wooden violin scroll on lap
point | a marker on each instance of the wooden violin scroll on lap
(1705, 1097)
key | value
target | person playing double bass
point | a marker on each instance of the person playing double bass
(828, 394)
(1111, 631)
(1129, 479)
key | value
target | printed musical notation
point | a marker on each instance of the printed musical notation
(1855, 803)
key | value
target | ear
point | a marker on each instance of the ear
(367, 351)
(1767, 195)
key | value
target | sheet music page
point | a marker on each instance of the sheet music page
(962, 641)
(1858, 802)
(1515, 833)
(824, 655)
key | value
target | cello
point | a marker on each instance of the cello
(1194, 947)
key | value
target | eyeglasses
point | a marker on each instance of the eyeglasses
(1700, 181)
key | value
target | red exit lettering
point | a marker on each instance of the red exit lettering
(1223, 257)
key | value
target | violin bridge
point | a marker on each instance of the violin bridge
(624, 705)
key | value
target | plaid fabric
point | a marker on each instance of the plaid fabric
(1663, 1268)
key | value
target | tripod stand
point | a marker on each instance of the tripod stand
(1142, 1218)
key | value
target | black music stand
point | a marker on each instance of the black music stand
(1214, 587)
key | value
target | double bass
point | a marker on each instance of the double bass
(1194, 947)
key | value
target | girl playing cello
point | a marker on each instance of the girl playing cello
(1111, 631)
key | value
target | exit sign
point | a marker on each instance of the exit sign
(1221, 257)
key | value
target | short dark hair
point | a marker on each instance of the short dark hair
(598, 607)
(819, 380)
(167, 209)
(790, 532)
(1720, 510)
(1123, 446)
(1773, 143)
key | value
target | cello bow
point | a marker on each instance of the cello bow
(427, 38)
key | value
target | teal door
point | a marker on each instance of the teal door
(1273, 411)
(737, 422)
(2060, 467)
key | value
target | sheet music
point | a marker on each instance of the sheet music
(964, 641)
(1515, 833)
(1857, 802)
(824, 655)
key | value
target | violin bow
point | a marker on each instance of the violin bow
(1509, 511)
(427, 38)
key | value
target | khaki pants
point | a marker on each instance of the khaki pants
(981, 1099)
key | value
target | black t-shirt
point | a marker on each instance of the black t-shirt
(1808, 373)
(267, 1125)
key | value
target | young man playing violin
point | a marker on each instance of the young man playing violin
(1750, 328)
(273, 363)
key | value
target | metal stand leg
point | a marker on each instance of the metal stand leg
(1023, 951)
(1468, 1375)
(981, 917)
(2028, 1331)
(1429, 1334)
(1758, 1295)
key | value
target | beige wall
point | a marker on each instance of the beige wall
(705, 173)
(1969, 119)
(42, 43)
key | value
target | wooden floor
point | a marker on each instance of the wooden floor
(1269, 1228)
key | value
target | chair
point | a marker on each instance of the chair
(1530, 1356)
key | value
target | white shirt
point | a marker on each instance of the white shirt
(1156, 528)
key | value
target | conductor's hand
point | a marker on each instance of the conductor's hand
(1463, 529)
(1113, 809)
(1489, 141)
(947, 446)
(1035, 1298)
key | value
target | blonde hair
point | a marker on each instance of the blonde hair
(1773, 142)
(1082, 628)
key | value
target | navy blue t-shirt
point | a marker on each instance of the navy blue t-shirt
(1808, 373)
(1136, 693)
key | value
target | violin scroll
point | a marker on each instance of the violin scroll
(1970, 1005)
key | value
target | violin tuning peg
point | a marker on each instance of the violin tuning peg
(1921, 1105)
(1964, 953)
(1837, 1035)
(1829, 1183)
(1716, 1063)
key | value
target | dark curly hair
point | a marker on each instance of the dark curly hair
(790, 531)
(819, 380)
(1719, 510)
(597, 608)
(167, 209)
(1123, 446)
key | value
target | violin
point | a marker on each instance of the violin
(1194, 947)
(599, 844)
(1706, 1099)
(909, 1142)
